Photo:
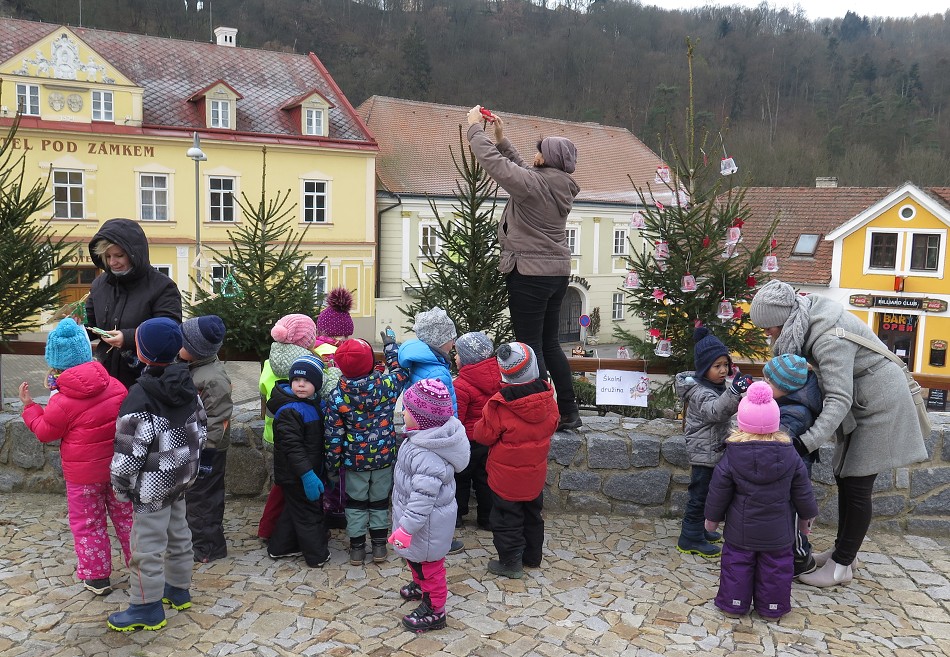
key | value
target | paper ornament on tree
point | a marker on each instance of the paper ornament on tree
(725, 311)
(654, 333)
(733, 235)
(637, 221)
(731, 251)
(706, 241)
(662, 174)
(632, 281)
(728, 166)
(658, 294)
(770, 264)
(688, 283)
(664, 348)
(661, 251)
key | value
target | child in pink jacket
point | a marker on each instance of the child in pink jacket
(82, 410)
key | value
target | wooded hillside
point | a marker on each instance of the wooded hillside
(855, 98)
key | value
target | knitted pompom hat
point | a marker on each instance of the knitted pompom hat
(203, 336)
(473, 347)
(434, 327)
(67, 345)
(517, 363)
(295, 329)
(354, 358)
(335, 321)
(282, 357)
(758, 412)
(707, 350)
(429, 403)
(789, 372)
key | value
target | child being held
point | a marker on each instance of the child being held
(299, 464)
(83, 413)
(478, 379)
(517, 424)
(799, 398)
(710, 405)
(423, 499)
(159, 435)
(757, 488)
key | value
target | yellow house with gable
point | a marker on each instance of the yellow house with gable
(109, 118)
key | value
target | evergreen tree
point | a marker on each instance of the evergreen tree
(266, 276)
(692, 222)
(462, 276)
(28, 248)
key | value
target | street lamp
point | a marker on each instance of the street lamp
(198, 156)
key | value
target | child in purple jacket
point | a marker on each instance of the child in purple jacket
(757, 487)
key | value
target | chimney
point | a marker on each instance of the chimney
(826, 181)
(225, 36)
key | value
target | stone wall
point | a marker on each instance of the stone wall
(612, 465)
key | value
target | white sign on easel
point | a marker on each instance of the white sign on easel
(622, 388)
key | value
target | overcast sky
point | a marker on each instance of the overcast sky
(825, 8)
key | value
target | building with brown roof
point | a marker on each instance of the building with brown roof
(416, 141)
(110, 118)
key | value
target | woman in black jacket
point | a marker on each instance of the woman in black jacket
(129, 292)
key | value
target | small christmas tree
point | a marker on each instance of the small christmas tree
(28, 249)
(462, 277)
(694, 268)
(266, 277)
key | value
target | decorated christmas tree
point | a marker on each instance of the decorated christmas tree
(694, 266)
(462, 276)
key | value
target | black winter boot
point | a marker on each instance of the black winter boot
(357, 550)
(423, 618)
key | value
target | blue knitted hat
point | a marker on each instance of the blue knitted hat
(158, 341)
(708, 348)
(308, 367)
(789, 372)
(67, 345)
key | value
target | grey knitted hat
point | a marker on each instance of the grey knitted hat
(283, 355)
(474, 347)
(434, 327)
(517, 363)
(203, 336)
(559, 152)
(772, 305)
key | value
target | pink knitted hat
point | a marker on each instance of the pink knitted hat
(758, 412)
(335, 321)
(295, 329)
(429, 403)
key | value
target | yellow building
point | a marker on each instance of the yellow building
(880, 252)
(109, 119)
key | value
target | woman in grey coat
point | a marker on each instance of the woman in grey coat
(867, 407)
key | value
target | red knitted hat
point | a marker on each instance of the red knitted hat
(354, 358)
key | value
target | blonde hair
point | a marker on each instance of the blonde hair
(740, 436)
(102, 246)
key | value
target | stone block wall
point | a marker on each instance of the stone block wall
(612, 465)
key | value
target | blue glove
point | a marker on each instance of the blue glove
(206, 462)
(312, 486)
(740, 383)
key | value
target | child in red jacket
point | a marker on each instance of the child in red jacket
(517, 424)
(82, 410)
(479, 378)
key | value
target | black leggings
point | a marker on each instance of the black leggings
(854, 516)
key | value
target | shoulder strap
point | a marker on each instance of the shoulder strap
(876, 347)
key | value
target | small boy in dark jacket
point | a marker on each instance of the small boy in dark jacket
(479, 378)
(799, 400)
(202, 337)
(757, 488)
(517, 424)
(159, 435)
(299, 464)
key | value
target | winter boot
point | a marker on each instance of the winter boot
(411, 591)
(712, 537)
(423, 618)
(149, 616)
(510, 569)
(831, 574)
(822, 557)
(570, 422)
(357, 551)
(692, 540)
(456, 546)
(378, 538)
(805, 565)
(178, 598)
(98, 586)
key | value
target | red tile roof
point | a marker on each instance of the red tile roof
(172, 71)
(811, 210)
(415, 139)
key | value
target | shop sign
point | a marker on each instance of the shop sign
(935, 305)
(902, 323)
(898, 302)
(937, 400)
(574, 278)
(915, 303)
(861, 300)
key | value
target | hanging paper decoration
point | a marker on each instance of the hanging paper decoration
(662, 174)
(732, 250)
(659, 206)
(725, 311)
(632, 281)
(637, 221)
(661, 251)
(770, 264)
(688, 283)
(230, 288)
(664, 348)
(655, 333)
(658, 294)
(737, 313)
(706, 241)
(750, 281)
(733, 235)
(738, 222)
(622, 352)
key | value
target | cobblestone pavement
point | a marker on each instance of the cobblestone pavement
(608, 586)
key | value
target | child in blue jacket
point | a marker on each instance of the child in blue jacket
(427, 356)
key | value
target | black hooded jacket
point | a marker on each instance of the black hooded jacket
(124, 302)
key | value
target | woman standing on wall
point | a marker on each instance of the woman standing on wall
(129, 292)
(534, 250)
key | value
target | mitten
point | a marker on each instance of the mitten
(388, 336)
(800, 447)
(312, 486)
(804, 525)
(740, 383)
(400, 538)
(711, 526)
(205, 462)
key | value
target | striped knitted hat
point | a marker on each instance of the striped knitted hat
(788, 372)
(429, 403)
(517, 363)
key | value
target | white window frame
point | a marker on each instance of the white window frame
(941, 247)
(154, 205)
(320, 272)
(216, 281)
(219, 113)
(429, 240)
(28, 99)
(905, 241)
(70, 202)
(806, 254)
(213, 193)
(163, 269)
(572, 235)
(309, 212)
(314, 121)
(103, 107)
(617, 305)
(621, 243)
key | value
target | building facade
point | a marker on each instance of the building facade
(109, 119)
(415, 165)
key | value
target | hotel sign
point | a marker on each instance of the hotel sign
(902, 303)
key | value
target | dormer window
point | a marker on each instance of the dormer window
(311, 112)
(218, 103)
(220, 111)
(313, 122)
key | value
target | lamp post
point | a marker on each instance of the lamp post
(196, 154)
